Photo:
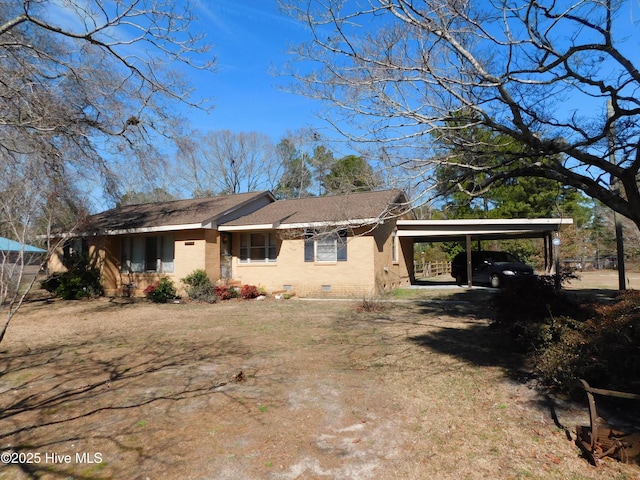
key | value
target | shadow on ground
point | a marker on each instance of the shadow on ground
(473, 338)
(477, 342)
(57, 396)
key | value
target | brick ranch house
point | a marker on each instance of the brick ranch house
(342, 245)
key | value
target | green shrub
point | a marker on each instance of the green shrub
(161, 291)
(197, 278)
(82, 279)
(199, 287)
(52, 282)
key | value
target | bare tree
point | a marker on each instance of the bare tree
(88, 86)
(410, 75)
(226, 162)
(31, 201)
(86, 95)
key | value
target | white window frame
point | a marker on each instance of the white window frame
(269, 248)
(394, 246)
(133, 254)
(325, 247)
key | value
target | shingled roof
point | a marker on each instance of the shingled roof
(355, 208)
(194, 213)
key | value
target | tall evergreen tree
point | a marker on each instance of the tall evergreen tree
(296, 177)
(350, 174)
(460, 184)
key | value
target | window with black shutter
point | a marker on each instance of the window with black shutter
(322, 247)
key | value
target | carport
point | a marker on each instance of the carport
(469, 231)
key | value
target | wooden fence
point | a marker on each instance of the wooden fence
(431, 269)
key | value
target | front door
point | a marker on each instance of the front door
(225, 256)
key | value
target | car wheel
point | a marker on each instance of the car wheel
(495, 280)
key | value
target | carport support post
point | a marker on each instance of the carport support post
(556, 260)
(469, 264)
(547, 254)
(622, 280)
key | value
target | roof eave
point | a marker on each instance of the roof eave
(482, 227)
(497, 221)
(132, 231)
(339, 223)
(244, 228)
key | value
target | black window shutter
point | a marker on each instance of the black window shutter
(308, 246)
(342, 246)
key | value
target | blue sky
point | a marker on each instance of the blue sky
(249, 38)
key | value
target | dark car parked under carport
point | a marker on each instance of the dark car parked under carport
(493, 268)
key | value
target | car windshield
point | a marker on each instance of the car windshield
(493, 257)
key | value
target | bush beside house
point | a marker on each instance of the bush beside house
(162, 291)
(80, 280)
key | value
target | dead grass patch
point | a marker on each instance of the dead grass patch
(421, 389)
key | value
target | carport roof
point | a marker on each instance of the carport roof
(484, 229)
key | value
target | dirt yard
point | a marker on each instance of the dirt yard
(289, 389)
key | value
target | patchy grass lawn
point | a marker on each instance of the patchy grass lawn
(277, 390)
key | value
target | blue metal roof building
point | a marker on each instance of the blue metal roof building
(7, 245)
